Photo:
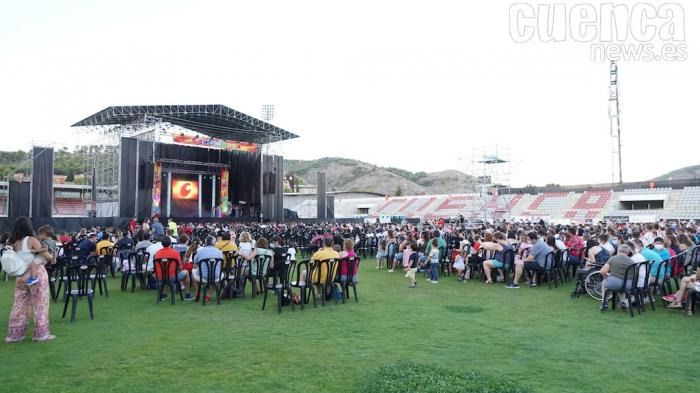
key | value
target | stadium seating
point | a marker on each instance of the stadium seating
(64, 207)
(688, 204)
(591, 205)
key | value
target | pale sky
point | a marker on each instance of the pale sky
(415, 85)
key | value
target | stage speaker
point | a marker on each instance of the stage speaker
(266, 183)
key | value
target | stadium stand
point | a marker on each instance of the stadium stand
(688, 204)
(638, 204)
(65, 207)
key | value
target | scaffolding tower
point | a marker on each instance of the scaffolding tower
(101, 163)
(491, 170)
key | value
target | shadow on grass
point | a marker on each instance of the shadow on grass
(465, 309)
(412, 377)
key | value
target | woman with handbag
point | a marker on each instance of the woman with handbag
(35, 297)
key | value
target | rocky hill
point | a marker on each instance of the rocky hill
(687, 173)
(351, 175)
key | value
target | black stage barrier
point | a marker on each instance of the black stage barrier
(127, 176)
(68, 224)
(18, 199)
(74, 224)
(42, 182)
(144, 200)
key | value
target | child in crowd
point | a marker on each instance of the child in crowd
(434, 260)
(410, 263)
(381, 253)
(45, 255)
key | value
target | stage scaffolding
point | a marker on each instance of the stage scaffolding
(491, 170)
(101, 163)
(150, 123)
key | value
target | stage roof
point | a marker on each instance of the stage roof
(217, 121)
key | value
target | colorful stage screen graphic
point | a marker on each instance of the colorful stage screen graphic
(185, 190)
(214, 143)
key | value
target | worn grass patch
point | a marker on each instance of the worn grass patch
(411, 377)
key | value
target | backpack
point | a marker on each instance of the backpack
(12, 264)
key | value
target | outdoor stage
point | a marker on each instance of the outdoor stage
(187, 162)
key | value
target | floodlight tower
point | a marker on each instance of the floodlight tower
(614, 114)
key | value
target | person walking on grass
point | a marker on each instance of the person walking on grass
(434, 260)
(381, 253)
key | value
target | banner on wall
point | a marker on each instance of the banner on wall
(214, 143)
(157, 183)
(225, 208)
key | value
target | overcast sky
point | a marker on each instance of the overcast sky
(415, 85)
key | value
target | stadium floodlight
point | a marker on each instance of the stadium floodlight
(268, 112)
(614, 115)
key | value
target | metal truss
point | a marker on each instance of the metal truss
(217, 121)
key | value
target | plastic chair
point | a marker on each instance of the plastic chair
(280, 281)
(134, 270)
(257, 275)
(104, 265)
(213, 277)
(629, 284)
(78, 276)
(349, 266)
(301, 279)
(164, 266)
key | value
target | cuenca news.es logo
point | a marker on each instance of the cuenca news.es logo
(613, 31)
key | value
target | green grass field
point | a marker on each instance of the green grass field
(534, 336)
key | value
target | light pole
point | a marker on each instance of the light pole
(268, 113)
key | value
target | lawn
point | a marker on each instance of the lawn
(534, 336)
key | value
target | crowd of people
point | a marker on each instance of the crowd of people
(471, 251)
(609, 247)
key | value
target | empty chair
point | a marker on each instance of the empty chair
(78, 286)
(104, 265)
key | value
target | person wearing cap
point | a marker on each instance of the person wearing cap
(88, 246)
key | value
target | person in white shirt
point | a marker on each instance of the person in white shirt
(648, 237)
(558, 240)
(636, 246)
(152, 250)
